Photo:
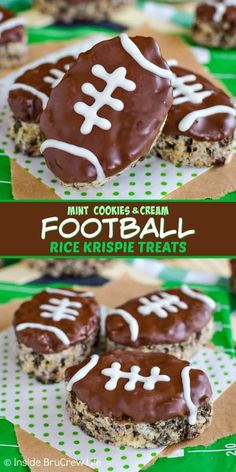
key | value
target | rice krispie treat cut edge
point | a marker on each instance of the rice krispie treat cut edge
(138, 399)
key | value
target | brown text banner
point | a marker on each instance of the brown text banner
(119, 229)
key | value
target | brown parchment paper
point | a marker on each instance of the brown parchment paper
(214, 183)
(112, 294)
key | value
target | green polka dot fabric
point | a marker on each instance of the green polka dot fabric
(151, 178)
(40, 409)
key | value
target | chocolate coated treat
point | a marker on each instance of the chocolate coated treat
(200, 126)
(27, 98)
(215, 24)
(195, 93)
(30, 92)
(114, 101)
(129, 393)
(163, 317)
(56, 319)
(13, 41)
(11, 27)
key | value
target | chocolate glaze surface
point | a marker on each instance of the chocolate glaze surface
(165, 401)
(220, 126)
(12, 35)
(46, 342)
(175, 328)
(133, 129)
(26, 106)
(206, 12)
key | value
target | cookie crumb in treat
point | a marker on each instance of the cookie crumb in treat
(54, 330)
(106, 394)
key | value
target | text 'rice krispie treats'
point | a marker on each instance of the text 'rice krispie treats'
(138, 399)
(13, 39)
(215, 24)
(55, 330)
(200, 127)
(115, 101)
(176, 321)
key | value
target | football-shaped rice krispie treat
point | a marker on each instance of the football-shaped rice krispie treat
(107, 112)
(176, 321)
(138, 399)
(55, 330)
(71, 10)
(215, 24)
(13, 41)
(70, 267)
(28, 97)
(200, 126)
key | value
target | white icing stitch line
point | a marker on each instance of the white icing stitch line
(185, 375)
(185, 92)
(10, 24)
(52, 329)
(77, 152)
(83, 371)
(198, 296)
(114, 80)
(130, 47)
(59, 291)
(28, 88)
(214, 360)
(188, 121)
(161, 305)
(107, 192)
(220, 8)
(115, 373)
(60, 309)
(129, 319)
